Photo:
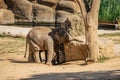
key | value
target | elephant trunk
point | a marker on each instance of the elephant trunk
(74, 39)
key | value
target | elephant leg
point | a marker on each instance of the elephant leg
(31, 56)
(54, 60)
(35, 51)
(57, 57)
(49, 57)
(40, 55)
(36, 56)
(46, 52)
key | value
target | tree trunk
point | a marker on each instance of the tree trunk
(91, 30)
(91, 27)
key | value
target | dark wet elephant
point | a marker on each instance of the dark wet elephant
(60, 36)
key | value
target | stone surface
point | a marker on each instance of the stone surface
(77, 50)
(44, 14)
(106, 48)
(74, 25)
(69, 10)
(27, 10)
(48, 11)
(68, 6)
(6, 17)
(21, 8)
(3, 5)
(50, 3)
(61, 16)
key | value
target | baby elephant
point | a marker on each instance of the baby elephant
(38, 39)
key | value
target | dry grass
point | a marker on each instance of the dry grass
(17, 45)
(112, 36)
(11, 45)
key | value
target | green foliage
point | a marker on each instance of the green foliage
(102, 58)
(109, 10)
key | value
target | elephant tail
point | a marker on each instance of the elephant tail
(26, 47)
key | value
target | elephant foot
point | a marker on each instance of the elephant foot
(49, 63)
(89, 61)
(31, 61)
(37, 59)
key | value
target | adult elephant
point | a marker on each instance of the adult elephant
(38, 39)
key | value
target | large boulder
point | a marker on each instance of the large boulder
(21, 8)
(75, 50)
(74, 25)
(3, 5)
(61, 16)
(68, 6)
(49, 3)
(6, 17)
(106, 48)
(44, 14)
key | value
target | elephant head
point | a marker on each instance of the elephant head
(60, 35)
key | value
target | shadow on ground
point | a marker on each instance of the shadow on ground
(17, 61)
(99, 75)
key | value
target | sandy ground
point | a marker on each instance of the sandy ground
(14, 67)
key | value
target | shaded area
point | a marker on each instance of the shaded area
(107, 26)
(17, 61)
(89, 75)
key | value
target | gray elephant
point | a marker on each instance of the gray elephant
(38, 40)
(50, 41)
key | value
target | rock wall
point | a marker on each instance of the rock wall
(66, 8)
(3, 5)
(22, 9)
(38, 10)
(47, 11)
(44, 14)
(6, 17)
(74, 25)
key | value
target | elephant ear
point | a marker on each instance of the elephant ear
(54, 34)
(60, 35)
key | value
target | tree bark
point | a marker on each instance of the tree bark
(91, 27)
(91, 30)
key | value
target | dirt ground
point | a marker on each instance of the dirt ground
(14, 67)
